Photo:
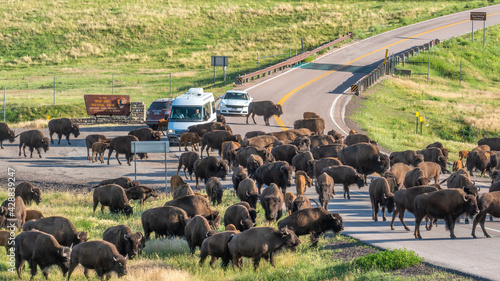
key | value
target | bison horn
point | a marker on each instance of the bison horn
(241, 222)
(465, 198)
(115, 259)
(378, 159)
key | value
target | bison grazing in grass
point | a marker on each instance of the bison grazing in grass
(12, 212)
(239, 216)
(216, 246)
(91, 139)
(114, 196)
(33, 215)
(381, 196)
(238, 176)
(201, 129)
(264, 108)
(62, 229)
(33, 139)
(197, 205)
(261, 242)
(208, 167)
(214, 190)
(141, 193)
(6, 134)
(124, 182)
(447, 204)
(126, 242)
(63, 126)
(247, 192)
(40, 249)
(196, 230)
(123, 145)
(28, 192)
(101, 256)
(313, 221)
(164, 221)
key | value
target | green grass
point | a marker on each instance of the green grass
(83, 45)
(388, 260)
(456, 115)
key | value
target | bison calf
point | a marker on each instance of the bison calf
(381, 196)
(98, 149)
(196, 230)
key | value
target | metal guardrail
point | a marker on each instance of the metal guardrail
(289, 62)
(389, 68)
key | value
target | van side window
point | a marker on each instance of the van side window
(213, 107)
(206, 111)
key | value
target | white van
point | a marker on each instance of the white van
(192, 108)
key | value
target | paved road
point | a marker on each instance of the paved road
(317, 87)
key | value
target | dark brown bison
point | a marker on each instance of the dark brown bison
(124, 182)
(187, 160)
(431, 170)
(189, 137)
(315, 125)
(62, 229)
(310, 115)
(141, 193)
(345, 175)
(247, 192)
(183, 191)
(196, 230)
(302, 202)
(461, 180)
(321, 139)
(208, 167)
(216, 246)
(238, 176)
(313, 221)
(261, 242)
(493, 143)
(33, 139)
(479, 160)
(303, 143)
(215, 139)
(440, 146)
(262, 141)
(6, 134)
(320, 164)
(28, 192)
(201, 129)
(243, 153)
(494, 160)
(381, 196)
(126, 242)
(164, 221)
(252, 134)
(357, 138)
(5, 240)
(63, 126)
(447, 204)
(251, 211)
(284, 152)
(416, 177)
(279, 172)
(264, 108)
(239, 216)
(286, 136)
(197, 205)
(114, 196)
(12, 212)
(271, 200)
(101, 256)
(488, 203)
(304, 162)
(324, 151)
(123, 145)
(324, 188)
(408, 157)
(337, 136)
(435, 155)
(214, 190)
(229, 152)
(365, 158)
(40, 249)
(403, 200)
(145, 134)
(253, 162)
(91, 139)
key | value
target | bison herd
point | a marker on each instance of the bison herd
(409, 181)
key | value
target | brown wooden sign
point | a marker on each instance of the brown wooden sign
(478, 16)
(107, 104)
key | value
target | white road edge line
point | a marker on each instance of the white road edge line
(331, 112)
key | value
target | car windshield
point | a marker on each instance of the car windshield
(236, 96)
(186, 113)
(160, 105)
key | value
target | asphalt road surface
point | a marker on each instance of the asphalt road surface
(317, 87)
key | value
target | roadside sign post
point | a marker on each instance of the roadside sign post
(220, 61)
(150, 147)
(416, 123)
(479, 16)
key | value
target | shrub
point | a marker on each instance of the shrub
(388, 260)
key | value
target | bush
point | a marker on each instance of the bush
(310, 58)
(388, 260)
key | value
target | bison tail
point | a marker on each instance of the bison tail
(16, 136)
(444, 180)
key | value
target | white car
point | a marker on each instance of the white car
(235, 103)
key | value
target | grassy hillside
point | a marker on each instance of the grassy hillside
(142, 43)
(455, 113)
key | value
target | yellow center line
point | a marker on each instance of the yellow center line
(287, 96)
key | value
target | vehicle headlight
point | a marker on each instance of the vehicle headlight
(170, 131)
(223, 102)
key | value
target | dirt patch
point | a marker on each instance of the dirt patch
(347, 250)
(55, 186)
(421, 269)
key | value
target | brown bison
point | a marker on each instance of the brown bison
(6, 134)
(289, 198)
(262, 141)
(321, 139)
(62, 229)
(252, 134)
(408, 157)
(33, 139)
(187, 160)
(357, 138)
(337, 136)
(114, 196)
(98, 149)
(261, 242)
(304, 162)
(145, 134)
(381, 196)
(201, 129)
(461, 180)
(195, 231)
(324, 188)
(264, 108)
(315, 125)
(322, 163)
(365, 158)
(238, 176)
(12, 212)
(447, 204)
(310, 115)
(5, 240)
(400, 170)
(123, 144)
(463, 154)
(141, 193)
(431, 170)
(216, 246)
(214, 190)
(162, 123)
(126, 242)
(191, 138)
(164, 221)
(330, 150)
(182, 191)
(63, 126)
(403, 200)
(271, 200)
(91, 139)
(124, 182)
(253, 162)
(284, 152)
(229, 152)
(28, 193)
(488, 203)
(313, 221)
(215, 139)
(479, 160)
(243, 153)
(345, 175)
(302, 202)
(247, 192)
(208, 167)
(40, 249)
(415, 177)
(493, 143)
(279, 172)
(101, 256)
(196, 205)
(33, 215)
(239, 216)
(435, 155)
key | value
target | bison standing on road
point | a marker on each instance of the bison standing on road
(91, 139)
(215, 139)
(365, 158)
(479, 160)
(345, 175)
(415, 177)
(313, 221)
(243, 153)
(187, 160)
(434, 154)
(284, 152)
(447, 204)
(404, 201)
(6, 134)
(189, 137)
(264, 108)
(145, 134)
(408, 157)
(33, 139)
(63, 126)
(400, 170)
(304, 162)
(488, 203)
(126, 242)
(324, 188)
(62, 229)
(279, 173)
(123, 144)
(98, 149)
(214, 190)
(381, 195)
(317, 126)
(357, 138)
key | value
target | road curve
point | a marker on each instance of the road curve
(319, 87)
